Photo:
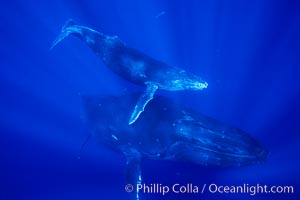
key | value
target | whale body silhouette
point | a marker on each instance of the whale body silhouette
(167, 131)
(133, 65)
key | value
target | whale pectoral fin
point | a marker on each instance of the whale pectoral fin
(133, 176)
(143, 101)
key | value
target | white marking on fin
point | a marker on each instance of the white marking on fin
(143, 101)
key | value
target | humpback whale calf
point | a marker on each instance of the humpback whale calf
(133, 65)
(167, 131)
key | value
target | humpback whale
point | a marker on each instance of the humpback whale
(133, 65)
(167, 131)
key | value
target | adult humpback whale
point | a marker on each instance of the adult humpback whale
(167, 131)
(133, 65)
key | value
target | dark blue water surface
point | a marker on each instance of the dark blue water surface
(248, 52)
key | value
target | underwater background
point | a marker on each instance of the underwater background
(248, 52)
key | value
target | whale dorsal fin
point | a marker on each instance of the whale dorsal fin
(143, 101)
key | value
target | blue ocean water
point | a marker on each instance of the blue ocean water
(248, 52)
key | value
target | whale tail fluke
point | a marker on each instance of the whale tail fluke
(64, 33)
